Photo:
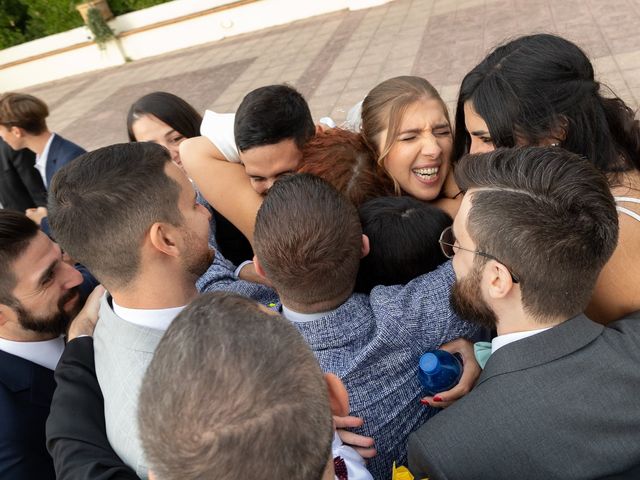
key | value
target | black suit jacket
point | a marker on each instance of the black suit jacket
(21, 185)
(76, 432)
(61, 152)
(25, 396)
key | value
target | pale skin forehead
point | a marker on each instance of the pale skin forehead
(460, 221)
(148, 127)
(268, 161)
(425, 114)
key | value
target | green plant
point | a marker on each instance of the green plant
(100, 29)
(119, 7)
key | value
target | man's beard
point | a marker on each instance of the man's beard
(197, 261)
(467, 301)
(56, 323)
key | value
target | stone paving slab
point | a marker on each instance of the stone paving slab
(335, 59)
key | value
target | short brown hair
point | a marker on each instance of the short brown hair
(234, 392)
(24, 111)
(383, 109)
(343, 159)
(102, 204)
(308, 238)
(549, 215)
(16, 233)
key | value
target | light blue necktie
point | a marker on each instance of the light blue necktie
(482, 351)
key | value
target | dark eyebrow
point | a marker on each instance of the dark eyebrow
(479, 133)
(48, 272)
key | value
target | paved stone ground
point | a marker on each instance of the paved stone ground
(335, 59)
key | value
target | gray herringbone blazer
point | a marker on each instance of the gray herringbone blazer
(562, 404)
(123, 351)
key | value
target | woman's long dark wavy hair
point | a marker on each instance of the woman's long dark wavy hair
(542, 86)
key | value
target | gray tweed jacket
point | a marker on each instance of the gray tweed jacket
(373, 343)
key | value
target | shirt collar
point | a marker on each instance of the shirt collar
(158, 319)
(45, 353)
(302, 317)
(502, 340)
(41, 160)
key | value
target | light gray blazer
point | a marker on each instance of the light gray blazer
(562, 404)
(123, 351)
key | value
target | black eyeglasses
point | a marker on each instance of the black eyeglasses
(448, 245)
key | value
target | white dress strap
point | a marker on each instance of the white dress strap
(625, 210)
(631, 213)
(627, 199)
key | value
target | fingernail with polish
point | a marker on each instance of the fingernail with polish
(424, 402)
(437, 398)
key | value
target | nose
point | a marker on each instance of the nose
(430, 147)
(268, 184)
(205, 211)
(72, 277)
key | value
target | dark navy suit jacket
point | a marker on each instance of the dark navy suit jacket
(21, 185)
(61, 152)
(26, 390)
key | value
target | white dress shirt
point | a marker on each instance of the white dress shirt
(296, 317)
(46, 353)
(41, 160)
(502, 340)
(159, 319)
(356, 469)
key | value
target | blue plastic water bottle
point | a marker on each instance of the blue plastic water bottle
(439, 371)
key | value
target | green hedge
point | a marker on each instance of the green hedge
(24, 20)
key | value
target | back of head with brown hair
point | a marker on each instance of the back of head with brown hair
(234, 392)
(383, 109)
(343, 159)
(24, 111)
(549, 215)
(102, 204)
(308, 239)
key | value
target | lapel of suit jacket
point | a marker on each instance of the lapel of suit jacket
(543, 347)
(19, 374)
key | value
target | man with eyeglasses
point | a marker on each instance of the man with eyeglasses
(558, 395)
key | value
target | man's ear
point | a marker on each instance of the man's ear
(365, 246)
(500, 281)
(338, 396)
(6, 314)
(163, 237)
(17, 131)
(258, 266)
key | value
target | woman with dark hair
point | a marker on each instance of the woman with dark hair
(167, 120)
(541, 90)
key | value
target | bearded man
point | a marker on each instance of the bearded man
(558, 395)
(39, 293)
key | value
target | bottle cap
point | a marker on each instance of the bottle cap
(429, 362)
